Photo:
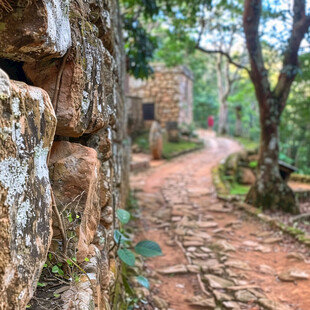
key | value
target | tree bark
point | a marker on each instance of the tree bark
(223, 119)
(270, 191)
(238, 126)
(224, 87)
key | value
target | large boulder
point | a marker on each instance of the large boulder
(82, 84)
(80, 192)
(27, 127)
(156, 141)
(246, 176)
(40, 29)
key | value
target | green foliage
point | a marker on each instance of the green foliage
(248, 144)
(238, 189)
(295, 121)
(172, 148)
(253, 164)
(169, 148)
(126, 256)
(119, 237)
(123, 216)
(125, 296)
(142, 140)
(58, 270)
(143, 281)
(148, 248)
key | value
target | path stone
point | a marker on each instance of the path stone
(231, 305)
(159, 302)
(250, 243)
(193, 268)
(272, 305)
(206, 303)
(293, 275)
(207, 224)
(207, 250)
(272, 240)
(220, 208)
(245, 296)
(202, 235)
(265, 269)
(173, 269)
(217, 282)
(220, 296)
(225, 246)
(237, 264)
(193, 243)
(296, 256)
(263, 249)
(206, 263)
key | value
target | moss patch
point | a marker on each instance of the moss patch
(238, 189)
(172, 149)
(249, 145)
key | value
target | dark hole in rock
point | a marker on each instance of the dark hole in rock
(14, 70)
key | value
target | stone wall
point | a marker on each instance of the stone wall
(171, 90)
(64, 152)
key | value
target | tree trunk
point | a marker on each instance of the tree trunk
(270, 191)
(238, 127)
(223, 119)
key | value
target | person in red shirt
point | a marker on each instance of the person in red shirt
(210, 122)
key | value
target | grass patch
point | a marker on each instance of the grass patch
(170, 149)
(142, 140)
(238, 189)
(248, 144)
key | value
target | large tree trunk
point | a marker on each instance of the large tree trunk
(270, 191)
(223, 85)
(238, 126)
(223, 119)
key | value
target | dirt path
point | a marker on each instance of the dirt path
(215, 257)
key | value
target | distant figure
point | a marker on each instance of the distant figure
(156, 140)
(210, 122)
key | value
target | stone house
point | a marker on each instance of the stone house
(167, 96)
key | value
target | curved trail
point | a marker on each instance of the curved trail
(227, 259)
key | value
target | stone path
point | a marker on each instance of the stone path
(215, 256)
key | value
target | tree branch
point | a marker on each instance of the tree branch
(259, 76)
(230, 60)
(301, 24)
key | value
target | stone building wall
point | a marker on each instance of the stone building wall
(135, 117)
(64, 152)
(170, 89)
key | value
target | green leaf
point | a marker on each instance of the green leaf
(143, 281)
(56, 295)
(148, 248)
(60, 272)
(86, 259)
(55, 269)
(126, 256)
(119, 237)
(39, 284)
(123, 216)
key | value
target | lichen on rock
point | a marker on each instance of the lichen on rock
(25, 139)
